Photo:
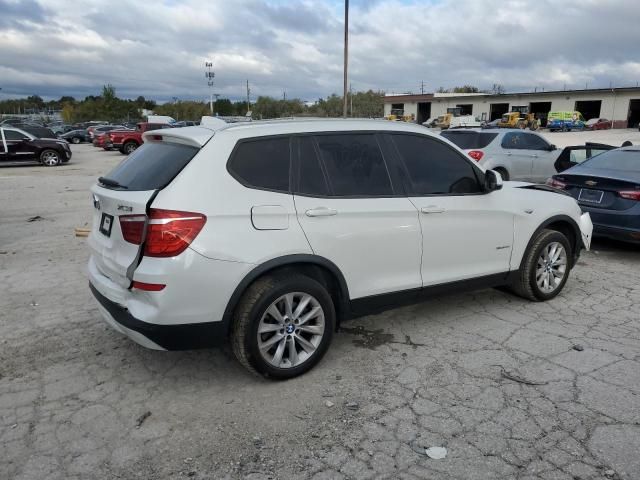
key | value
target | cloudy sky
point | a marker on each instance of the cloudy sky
(158, 48)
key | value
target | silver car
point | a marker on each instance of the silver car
(516, 154)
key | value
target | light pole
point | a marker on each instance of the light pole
(346, 58)
(210, 75)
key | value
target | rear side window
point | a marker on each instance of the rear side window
(312, 179)
(513, 141)
(262, 163)
(354, 165)
(152, 166)
(434, 168)
(470, 140)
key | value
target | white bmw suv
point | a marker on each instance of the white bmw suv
(268, 234)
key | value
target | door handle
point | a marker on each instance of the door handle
(508, 154)
(432, 209)
(534, 155)
(321, 212)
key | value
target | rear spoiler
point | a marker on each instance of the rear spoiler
(193, 136)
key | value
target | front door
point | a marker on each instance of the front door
(355, 215)
(543, 158)
(466, 233)
(516, 158)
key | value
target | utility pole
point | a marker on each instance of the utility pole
(346, 57)
(209, 75)
(248, 98)
(422, 87)
(284, 95)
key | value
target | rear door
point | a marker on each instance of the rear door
(3, 146)
(517, 159)
(123, 195)
(354, 212)
(19, 146)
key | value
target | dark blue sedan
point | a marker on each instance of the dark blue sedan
(608, 187)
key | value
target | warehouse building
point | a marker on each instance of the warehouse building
(622, 105)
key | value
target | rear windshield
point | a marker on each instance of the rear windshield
(626, 160)
(150, 167)
(469, 140)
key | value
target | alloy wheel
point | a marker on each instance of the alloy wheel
(50, 158)
(551, 267)
(291, 330)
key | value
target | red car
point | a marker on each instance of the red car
(126, 141)
(598, 124)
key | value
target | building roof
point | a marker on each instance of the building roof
(431, 96)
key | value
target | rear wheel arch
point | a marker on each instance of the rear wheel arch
(316, 267)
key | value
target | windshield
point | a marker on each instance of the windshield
(152, 166)
(470, 140)
(625, 160)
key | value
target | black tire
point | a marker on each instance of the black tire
(129, 147)
(50, 158)
(503, 173)
(75, 140)
(526, 285)
(254, 304)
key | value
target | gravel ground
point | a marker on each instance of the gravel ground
(511, 389)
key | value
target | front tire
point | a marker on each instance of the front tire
(75, 140)
(545, 268)
(283, 325)
(50, 158)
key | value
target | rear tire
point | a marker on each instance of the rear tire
(129, 147)
(290, 342)
(503, 173)
(545, 267)
(75, 140)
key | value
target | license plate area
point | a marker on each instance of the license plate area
(106, 224)
(590, 196)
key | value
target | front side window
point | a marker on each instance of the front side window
(534, 142)
(354, 165)
(434, 168)
(262, 163)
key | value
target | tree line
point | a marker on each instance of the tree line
(109, 107)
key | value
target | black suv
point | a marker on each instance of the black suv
(18, 146)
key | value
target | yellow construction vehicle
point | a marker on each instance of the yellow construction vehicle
(519, 119)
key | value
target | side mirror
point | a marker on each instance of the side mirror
(25, 139)
(552, 147)
(492, 181)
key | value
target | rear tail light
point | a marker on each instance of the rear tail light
(132, 227)
(552, 182)
(630, 194)
(476, 155)
(148, 287)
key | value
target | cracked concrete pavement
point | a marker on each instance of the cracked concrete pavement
(79, 401)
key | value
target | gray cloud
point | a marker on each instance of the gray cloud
(158, 49)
